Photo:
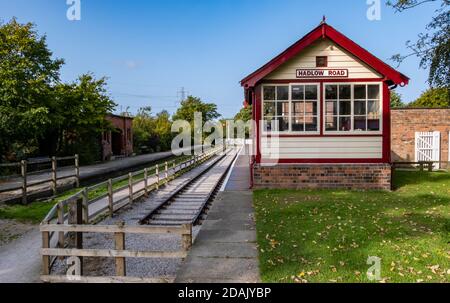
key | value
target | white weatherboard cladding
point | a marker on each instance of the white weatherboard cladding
(337, 59)
(322, 148)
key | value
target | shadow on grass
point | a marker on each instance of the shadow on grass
(404, 178)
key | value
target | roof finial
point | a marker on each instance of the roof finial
(324, 20)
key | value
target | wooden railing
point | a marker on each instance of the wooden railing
(421, 165)
(119, 253)
(53, 180)
(73, 214)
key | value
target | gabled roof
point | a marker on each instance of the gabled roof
(324, 31)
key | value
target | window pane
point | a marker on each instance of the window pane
(360, 92)
(298, 124)
(360, 123)
(373, 124)
(298, 92)
(345, 124)
(331, 92)
(283, 93)
(345, 108)
(374, 92)
(269, 109)
(311, 124)
(298, 108)
(331, 123)
(331, 108)
(360, 108)
(283, 124)
(283, 109)
(311, 108)
(345, 92)
(311, 92)
(373, 110)
(269, 93)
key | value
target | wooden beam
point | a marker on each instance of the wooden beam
(111, 253)
(115, 229)
(103, 280)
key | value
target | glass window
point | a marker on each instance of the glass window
(352, 107)
(298, 92)
(269, 93)
(292, 108)
(331, 92)
(283, 93)
(311, 92)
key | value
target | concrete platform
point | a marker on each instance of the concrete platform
(225, 250)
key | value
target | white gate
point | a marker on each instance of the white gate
(428, 147)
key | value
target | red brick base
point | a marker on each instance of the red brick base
(323, 176)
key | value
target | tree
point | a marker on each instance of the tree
(432, 47)
(27, 72)
(245, 114)
(192, 105)
(39, 115)
(433, 98)
(152, 133)
(81, 108)
(396, 100)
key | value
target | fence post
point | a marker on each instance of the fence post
(54, 176)
(77, 170)
(110, 198)
(61, 239)
(186, 238)
(45, 259)
(430, 166)
(157, 176)
(166, 172)
(146, 182)
(119, 239)
(130, 187)
(421, 166)
(85, 207)
(23, 171)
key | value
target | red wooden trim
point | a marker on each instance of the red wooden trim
(321, 32)
(258, 114)
(366, 57)
(321, 136)
(325, 161)
(386, 123)
(333, 80)
(321, 119)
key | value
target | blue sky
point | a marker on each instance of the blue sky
(150, 49)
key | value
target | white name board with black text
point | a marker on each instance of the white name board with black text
(322, 73)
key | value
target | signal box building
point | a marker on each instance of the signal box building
(323, 115)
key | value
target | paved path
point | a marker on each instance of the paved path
(225, 250)
(20, 259)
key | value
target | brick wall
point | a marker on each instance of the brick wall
(323, 176)
(405, 124)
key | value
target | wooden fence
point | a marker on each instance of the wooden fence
(69, 215)
(421, 165)
(119, 253)
(53, 180)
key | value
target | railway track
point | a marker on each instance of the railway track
(189, 203)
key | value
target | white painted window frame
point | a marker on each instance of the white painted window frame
(352, 113)
(290, 132)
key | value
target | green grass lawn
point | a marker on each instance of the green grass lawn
(327, 236)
